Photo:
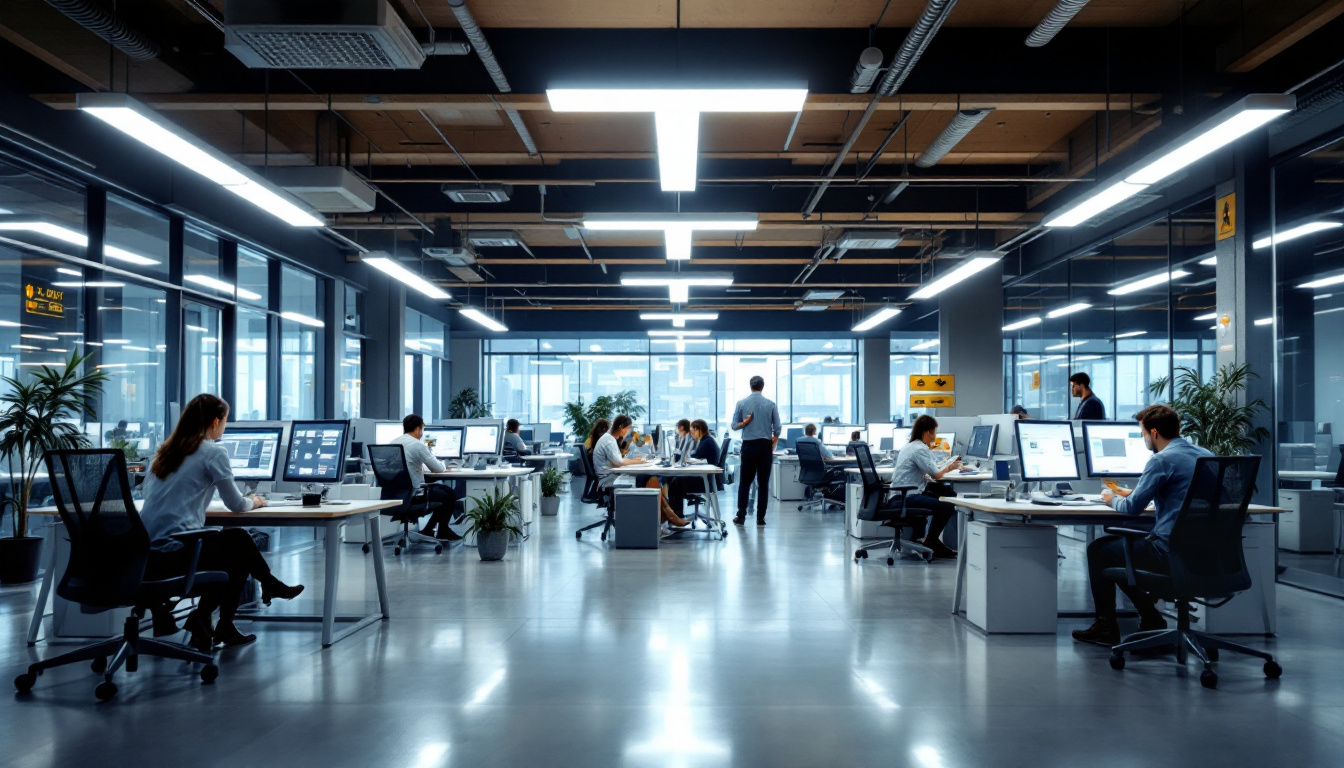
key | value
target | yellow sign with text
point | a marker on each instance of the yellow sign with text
(1035, 379)
(41, 300)
(1227, 216)
(933, 383)
(932, 401)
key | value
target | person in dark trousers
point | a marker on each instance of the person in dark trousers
(1091, 407)
(188, 469)
(1164, 482)
(915, 466)
(758, 419)
(705, 448)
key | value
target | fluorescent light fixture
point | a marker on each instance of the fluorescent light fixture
(1211, 261)
(679, 318)
(221, 286)
(197, 329)
(131, 348)
(64, 333)
(1265, 321)
(1069, 310)
(677, 116)
(1329, 311)
(1148, 282)
(396, 271)
(1094, 204)
(678, 244)
(877, 318)
(677, 228)
(70, 272)
(967, 268)
(678, 334)
(114, 365)
(483, 319)
(146, 126)
(67, 235)
(1317, 297)
(1024, 323)
(116, 341)
(678, 284)
(303, 319)
(91, 284)
(1069, 345)
(815, 295)
(37, 336)
(1213, 134)
(926, 345)
(1209, 316)
(1130, 334)
(547, 362)
(24, 346)
(1323, 282)
(1300, 230)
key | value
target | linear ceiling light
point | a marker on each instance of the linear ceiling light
(1020, 324)
(679, 318)
(149, 128)
(1067, 345)
(67, 235)
(1210, 261)
(678, 285)
(1265, 321)
(1323, 282)
(1209, 316)
(964, 270)
(303, 319)
(677, 228)
(877, 318)
(926, 345)
(1301, 230)
(1130, 334)
(1148, 282)
(1069, 310)
(483, 319)
(221, 286)
(678, 334)
(677, 116)
(396, 271)
(1223, 128)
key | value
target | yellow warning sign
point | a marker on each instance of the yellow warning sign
(1035, 379)
(1227, 216)
(933, 401)
(933, 383)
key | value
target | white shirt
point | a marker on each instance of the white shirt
(606, 457)
(914, 461)
(418, 456)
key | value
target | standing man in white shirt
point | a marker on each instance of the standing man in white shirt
(439, 498)
(758, 419)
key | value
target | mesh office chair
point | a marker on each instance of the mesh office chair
(823, 487)
(698, 498)
(109, 549)
(594, 493)
(888, 506)
(394, 482)
(1207, 565)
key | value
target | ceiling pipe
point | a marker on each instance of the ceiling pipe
(961, 124)
(1054, 21)
(95, 18)
(487, 56)
(865, 71)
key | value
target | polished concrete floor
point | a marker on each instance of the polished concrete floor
(771, 648)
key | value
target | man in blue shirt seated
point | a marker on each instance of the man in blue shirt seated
(1164, 483)
(810, 436)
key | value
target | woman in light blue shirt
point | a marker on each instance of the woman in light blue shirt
(187, 471)
(914, 464)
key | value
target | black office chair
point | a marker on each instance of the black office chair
(698, 498)
(394, 482)
(594, 493)
(109, 549)
(1338, 511)
(823, 487)
(1207, 565)
(888, 506)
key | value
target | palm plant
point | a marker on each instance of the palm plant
(494, 512)
(583, 417)
(36, 416)
(1210, 415)
(467, 404)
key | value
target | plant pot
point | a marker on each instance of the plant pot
(492, 546)
(19, 559)
(550, 506)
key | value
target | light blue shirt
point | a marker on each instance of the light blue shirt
(913, 462)
(514, 441)
(765, 424)
(825, 452)
(1164, 482)
(177, 503)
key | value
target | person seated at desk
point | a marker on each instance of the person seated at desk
(913, 463)
(810, 436)
(118, 433)
(1164, 483)
(440, 499)
(706, 449)
(606, 454)
(1020, 412)
(513, 442)
(186, 472)
(684, 442)
(639, 446)
(854, 441)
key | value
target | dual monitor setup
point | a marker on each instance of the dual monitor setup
(451, 442)
(316, 452)
(1048, 452)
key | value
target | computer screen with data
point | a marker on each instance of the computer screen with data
(836, 434)
(385, 432)
(316, 452)
(981, 445)
(946, 441)
(483, 439)
(253, 452)
(445, 442)
(1046, 450)
(1115, 449)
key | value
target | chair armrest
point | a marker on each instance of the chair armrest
(192, 539)
(195, 534)
(1128, 533)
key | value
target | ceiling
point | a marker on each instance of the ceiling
(1106, 84)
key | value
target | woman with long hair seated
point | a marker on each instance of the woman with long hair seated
(606, 454)
(187, 470)
(915, 463)
(704, 448)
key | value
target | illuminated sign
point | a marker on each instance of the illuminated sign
(43, 300)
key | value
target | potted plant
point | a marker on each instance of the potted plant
(466, 404)
(35, 417)
(494, 521)
(1210, 415)
(551, 482)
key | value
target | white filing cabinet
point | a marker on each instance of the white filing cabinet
(784, 483)
(1011, 577)
(860, 529)
(1308, 523)
(1245, 613)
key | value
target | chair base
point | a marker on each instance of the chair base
(1185, 642)
(897, 546)
(606, 524)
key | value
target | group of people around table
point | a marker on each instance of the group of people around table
(614, 444)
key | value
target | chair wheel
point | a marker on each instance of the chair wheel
(132, 663)
(1273, 670)
(208, 673)
(891, 561)
(1118, 662)
(105, 691)
(1212, 653)
(99, 665)
(25, 682)
(438, 549)
(578, 534)
(396, 551)
(366, 549)
(604, 535)
(1208, 678)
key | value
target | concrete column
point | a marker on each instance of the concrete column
(875, 382)
(465, 357)
(384, 364)
(970, 322)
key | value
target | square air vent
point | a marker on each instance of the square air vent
(499, 238)
(453, 257)
(466, 274)
(870, 239)
(353, 34)
(490, 193)
(822, 295)
(327, 188)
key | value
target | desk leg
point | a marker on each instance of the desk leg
(332, 580)
(963, 518)
(379, 574)
(44, 593)
(712, 493)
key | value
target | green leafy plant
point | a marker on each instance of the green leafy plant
(551, 481)
(467, 404)
(583, 417)
(494, 512)
(128, 448)
(1210, 415)
(35, 417)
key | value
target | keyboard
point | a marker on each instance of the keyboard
(285, 503)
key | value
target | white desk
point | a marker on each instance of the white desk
(706, 472)
(498, 479)
(1302, 474)
(328, 517)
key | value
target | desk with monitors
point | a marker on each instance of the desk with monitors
(1046, 450)
(883, 433)
(836, 435)
(316, 452)
(483, 439)
(254, 453)
(981, 444)
(445, 442)
(1115, 449)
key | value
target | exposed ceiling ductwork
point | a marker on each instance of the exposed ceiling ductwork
(1054, 21)
(473, 32)
(98, 20)
(962, 123)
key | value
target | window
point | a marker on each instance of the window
(426, 364)
(253, 278)
(912, 354)
(133, 321)
(299, 342)
(351, 369)
(251, 363)
(685, 388)
(136, 239)
(46, 332)
(824, 385)
(200, 349)
(200, 263)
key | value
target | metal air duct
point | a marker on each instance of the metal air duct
(865, 72)
(95, 18)
(487, 56)
(955, 131)
(1054, 21)
(919, 37)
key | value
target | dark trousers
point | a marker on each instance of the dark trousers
(232, 551)
(757, 456)
(444, 505)
(941, 513)
(679, 488)
(1109, 552)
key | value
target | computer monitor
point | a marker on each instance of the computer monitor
(863, 434)
(254, 452)
(887, 444)
(835, 434)
(1115, 449)
(946, 442)
(982, 441)
(445, 442)
(1005, 439)
(385, 432)
(880, 429)
(557, 437)
(525, 433)
(541, 430)
(483, 439)
(791, 435)
(1046, 450)
(316, 452)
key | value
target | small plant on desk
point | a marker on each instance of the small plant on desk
(494, 521)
